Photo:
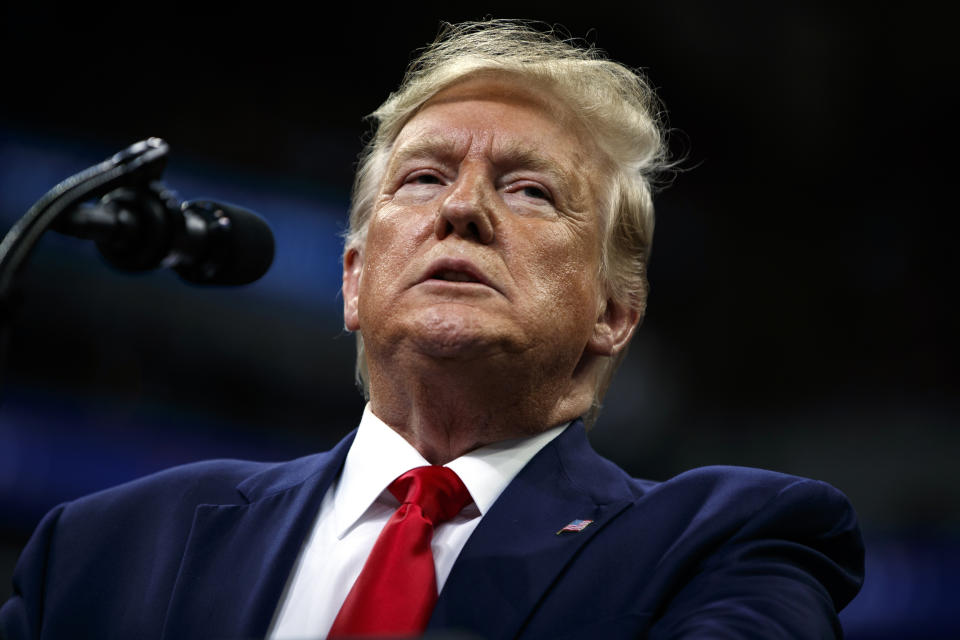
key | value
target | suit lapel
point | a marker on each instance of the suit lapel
(516, 554)
(238, 557)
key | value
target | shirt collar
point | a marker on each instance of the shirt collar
(379, 455)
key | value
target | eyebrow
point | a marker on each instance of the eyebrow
(426, 146)
(508, 155)
(514, 154)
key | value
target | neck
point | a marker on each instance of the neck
(449, 408)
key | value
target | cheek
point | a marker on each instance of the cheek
(563, 270)
(401, 224)
(392, 241)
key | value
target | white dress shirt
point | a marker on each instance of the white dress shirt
(358, 505)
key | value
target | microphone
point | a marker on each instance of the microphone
(205, 242)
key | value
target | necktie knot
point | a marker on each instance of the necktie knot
(438, 491)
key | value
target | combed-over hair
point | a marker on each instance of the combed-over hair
(615, 105)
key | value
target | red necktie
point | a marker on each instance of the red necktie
(397, 589)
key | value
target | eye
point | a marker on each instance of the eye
(425, 178)
(529, 197)
(535, 192)
(421, 185)
(531, 191)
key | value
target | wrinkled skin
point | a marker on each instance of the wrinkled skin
(478, 289)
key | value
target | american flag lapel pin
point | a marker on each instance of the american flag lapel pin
(575, 526)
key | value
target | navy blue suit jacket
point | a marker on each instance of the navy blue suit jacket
(204, 551)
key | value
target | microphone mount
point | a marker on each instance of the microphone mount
(134, 167)
(138, 224)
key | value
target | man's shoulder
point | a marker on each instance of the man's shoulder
(212, 481)
(125, 546)
(724, 480)
(184, 487)
(695, 488)
(708, 523)
(704, 505)
(704, 511)
(735, 489)
(732, 493)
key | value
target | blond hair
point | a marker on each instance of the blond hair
(615, 105)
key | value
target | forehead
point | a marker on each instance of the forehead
(501, 119)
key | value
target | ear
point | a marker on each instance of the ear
(614, 328)
(352, 270)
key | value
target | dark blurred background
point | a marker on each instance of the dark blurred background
(802, 311)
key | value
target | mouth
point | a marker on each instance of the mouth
(448, 275)
(457, 271)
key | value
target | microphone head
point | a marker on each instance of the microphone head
(238, 243)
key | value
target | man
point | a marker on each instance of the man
(494, 274)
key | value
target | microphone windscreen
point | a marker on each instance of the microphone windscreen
(242, 246)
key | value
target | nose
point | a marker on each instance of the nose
(467, 211)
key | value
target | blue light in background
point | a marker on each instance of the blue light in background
(307, 223)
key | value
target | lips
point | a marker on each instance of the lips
(455, 270)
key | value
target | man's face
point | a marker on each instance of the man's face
(485, 236)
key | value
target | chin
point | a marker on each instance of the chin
(455, 335)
